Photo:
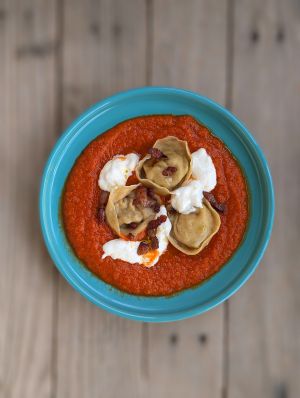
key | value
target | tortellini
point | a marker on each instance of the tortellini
(168, 167)
(125, 215)
(166, 170)
(192, 232)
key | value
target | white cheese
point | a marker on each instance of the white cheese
(126, 250)
(187, 198)
(204, 170)
(116, 171)
(122, 249)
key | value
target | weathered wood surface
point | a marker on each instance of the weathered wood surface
(142, 347)
(104, 50)
(28, 123)
(56, 59)
(264, 345)
(186, 358)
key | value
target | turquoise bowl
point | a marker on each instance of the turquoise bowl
(149, 101)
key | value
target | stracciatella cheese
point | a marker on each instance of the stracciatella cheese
(188, 198)
(203, 169)
(126, 250)
(116, 171)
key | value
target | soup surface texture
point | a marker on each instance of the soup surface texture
(175, 270)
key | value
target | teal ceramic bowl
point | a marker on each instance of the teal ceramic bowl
(148, 101)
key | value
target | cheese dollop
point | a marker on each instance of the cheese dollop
(203, 169)
(187, 198)
(126, 250)
(116, 171)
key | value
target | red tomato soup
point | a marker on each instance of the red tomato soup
(175, 270)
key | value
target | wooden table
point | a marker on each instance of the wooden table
(57, 58)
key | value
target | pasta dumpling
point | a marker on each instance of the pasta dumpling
(192, 232)
(129, 210)
(167, 165)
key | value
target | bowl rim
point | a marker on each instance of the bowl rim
(242, 277)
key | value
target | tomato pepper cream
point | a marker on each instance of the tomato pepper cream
(175, 270)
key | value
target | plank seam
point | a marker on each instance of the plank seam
(149, 76)
(228, 104)
(149, 43)
(59, 127)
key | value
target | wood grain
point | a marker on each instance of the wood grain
(186, 358)
(104, 51)
(190, 45)
(28, 42)
(264, 344)
(53, 343)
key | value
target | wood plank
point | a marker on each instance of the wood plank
(190, 45)
(104, 51)
(28, 41)
(189, 41)
(264, 333)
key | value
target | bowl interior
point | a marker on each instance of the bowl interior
(223, 124)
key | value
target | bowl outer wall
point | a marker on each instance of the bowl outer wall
(148, 101)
